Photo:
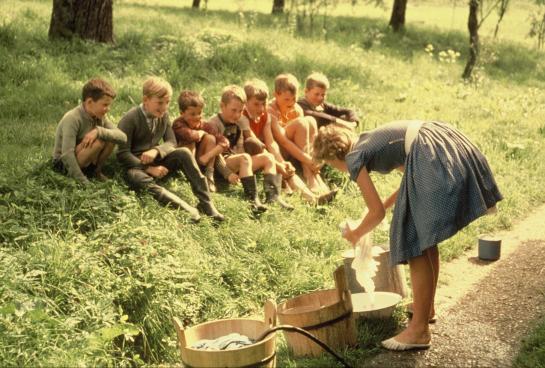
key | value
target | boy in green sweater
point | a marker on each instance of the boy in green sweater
(147, 160)
(85, 137)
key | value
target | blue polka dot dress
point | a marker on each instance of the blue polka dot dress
(446, 185)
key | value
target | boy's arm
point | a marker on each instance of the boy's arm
(68, 155)
(124, 154)
(290, 146)
(340, 112)
(109, 133)
(270, 143)
(185, 133)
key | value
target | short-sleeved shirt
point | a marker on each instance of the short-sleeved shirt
(284, 119)
(256, 125)
(381, 149)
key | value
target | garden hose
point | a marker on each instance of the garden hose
(308, 335)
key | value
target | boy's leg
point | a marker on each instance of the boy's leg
(138, 179)
(89, 155)
(182, 159)
(242, 164)
(264, 161)
(102, 157)
(207, 151)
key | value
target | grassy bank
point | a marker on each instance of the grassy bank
(93, 276)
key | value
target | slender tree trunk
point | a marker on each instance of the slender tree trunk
(196, 4)
(87, 19)
(473, 27)
(278, 6)
(397, 20)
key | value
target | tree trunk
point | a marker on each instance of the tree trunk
(473, 27)
(86, 19)
(196, 4)
(397, 20)
(278, 6)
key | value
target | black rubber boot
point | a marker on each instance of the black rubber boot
(170, 199)
(206, 206)
(249, 184)
(209, 175)
(272, 185)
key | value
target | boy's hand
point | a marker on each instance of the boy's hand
(223, 143)
(233, 179)
(89, 139)
(149, 156)
(345, 123)
(157, 171)
(289, 168)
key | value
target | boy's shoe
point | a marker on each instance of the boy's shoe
(272, 185)
(326, 197)
(210, 210)
(250, 192)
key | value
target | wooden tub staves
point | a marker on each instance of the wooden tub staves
(326, 314)
(261, 354)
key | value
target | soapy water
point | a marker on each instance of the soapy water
(364, 264)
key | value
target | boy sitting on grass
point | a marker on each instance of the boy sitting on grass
(293, 131)
(147, 160)
(85, 137)
(236, 165)
(315, 105)
(256, 117)
(190, 133)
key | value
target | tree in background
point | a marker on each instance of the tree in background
(278, 6)
(397, 19)
(537, 24)
(473, 27)
(86, 19)
(196, 4)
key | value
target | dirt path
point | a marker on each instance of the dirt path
(485, 308)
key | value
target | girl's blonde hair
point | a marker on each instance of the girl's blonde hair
(332, 142)
(156, 87)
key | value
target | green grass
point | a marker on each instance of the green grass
(532, 353)
(93, 276)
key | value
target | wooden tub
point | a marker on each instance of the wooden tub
(326, 314)
(261, 354)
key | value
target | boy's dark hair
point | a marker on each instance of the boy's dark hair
(96, 89)
(189, 99)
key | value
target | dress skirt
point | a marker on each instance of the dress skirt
(446, 185)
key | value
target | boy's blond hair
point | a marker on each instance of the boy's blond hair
(286, 82)
(256, 88)
(156, 87)
(332, 142)
(317, 80)
(232, 92)
(189, 99)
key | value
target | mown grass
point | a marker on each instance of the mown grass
(93, 276)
